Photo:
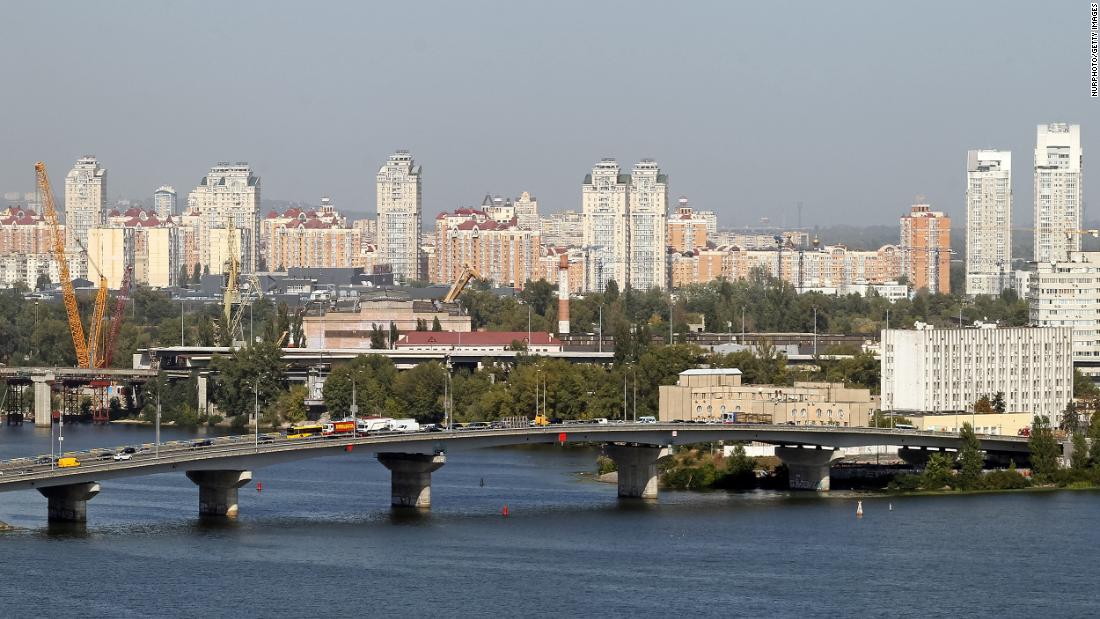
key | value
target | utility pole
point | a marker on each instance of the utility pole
(157, 447)
(815, 331)
(742, 324)
(256, 411)
(601, 328)
(635, 395)
(182, 301)
(354, 412)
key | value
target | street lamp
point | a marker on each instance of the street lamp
(354, 412)
(815, 330)
(601, 328)
(256, 411)
(157, 445)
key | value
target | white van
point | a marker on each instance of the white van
(647, 419)
(405, 425)
(600, 420)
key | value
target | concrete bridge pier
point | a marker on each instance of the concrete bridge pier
(218, 491)
(808, 468)
(69, 503)
(637, 469)
(43, 405)
(411, 477)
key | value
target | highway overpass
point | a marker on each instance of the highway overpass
(220, 466)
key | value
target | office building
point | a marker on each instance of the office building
(399, 185)
(926, 249)
(938, 370)
(988, 221)
(227, 198)
(1058, 191)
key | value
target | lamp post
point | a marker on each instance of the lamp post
(156, 447)
(601, 328)
(354, 412)
(742, 324)
(182, 302)
(815, 330)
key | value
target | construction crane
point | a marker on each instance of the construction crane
(232, 286)
(468, 273)
(116, 320)
(97, 337)
(76, 328)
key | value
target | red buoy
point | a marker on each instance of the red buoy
(347, 448)
(259, 487)
(504, 511)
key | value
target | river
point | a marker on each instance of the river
(320, 540)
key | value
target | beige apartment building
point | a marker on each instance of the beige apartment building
(228, 197)
(500, 251)
(313, 238)
(706, 394)
(399, 187)
(687, 230)
(830, 268)
(139, 239)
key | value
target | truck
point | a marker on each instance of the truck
(404, 425)
(337, 428)
(375, 424)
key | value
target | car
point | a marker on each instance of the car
(647, 419)
(478, 425)
(129, 450)
(105, 455)
(122, 456)
(599, 421)
(202, 442)
(43, 460)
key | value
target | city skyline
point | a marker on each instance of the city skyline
(726, 143)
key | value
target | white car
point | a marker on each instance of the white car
(122, 456)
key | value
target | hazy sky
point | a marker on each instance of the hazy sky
(851, 108)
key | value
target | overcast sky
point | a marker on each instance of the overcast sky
(751, 107)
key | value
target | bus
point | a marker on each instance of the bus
(738, 417)
(305, 431)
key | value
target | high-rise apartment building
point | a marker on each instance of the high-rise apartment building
(648, 226)
(140, 240)
(687, 229)
(314, 238)
(164, 201)
(926, 249)
(85, 201)
(399, 214)
(227, 198)
(1058, 191)
(625, 219)
(988, 221)
(605, 199)
(564, 229)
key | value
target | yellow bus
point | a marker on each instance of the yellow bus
(305, 431)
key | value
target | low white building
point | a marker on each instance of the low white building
(935, 370)
(1067, 294)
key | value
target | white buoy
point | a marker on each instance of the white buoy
(859, 509)
(891, 507)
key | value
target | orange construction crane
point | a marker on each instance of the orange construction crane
(76, 328)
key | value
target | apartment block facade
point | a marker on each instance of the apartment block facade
(1059, 203)
(926, 249)
(399, 196)
(228, 197)
(502, 252)
(988, 221)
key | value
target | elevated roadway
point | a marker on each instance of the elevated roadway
(220, 466)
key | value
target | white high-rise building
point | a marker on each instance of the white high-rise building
(605, 198)
(399, 214)
(988, 221)
(85, 201)
(227, 198)
(527, 211)
(1058, 192)
(164, 201)
(648, 226)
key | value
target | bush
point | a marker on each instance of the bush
(605, 465)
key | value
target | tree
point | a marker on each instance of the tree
(373, 377)
(939, 472)
(43, 282)
(1079, 461)
(435, 324)
(998, 402)
(421, 324)
(1043, 448)
(970, 458)
(249, 371)
(1094, 436)
(611, 291)
(394, 334)
(196, 273)
(1083, 387)
(377, 337)
(983, 405)
(184, 276)
(289, 408)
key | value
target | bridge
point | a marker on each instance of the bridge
(219, 467)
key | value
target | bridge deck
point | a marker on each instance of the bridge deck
(243, 452)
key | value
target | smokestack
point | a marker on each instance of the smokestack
(563, 295)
